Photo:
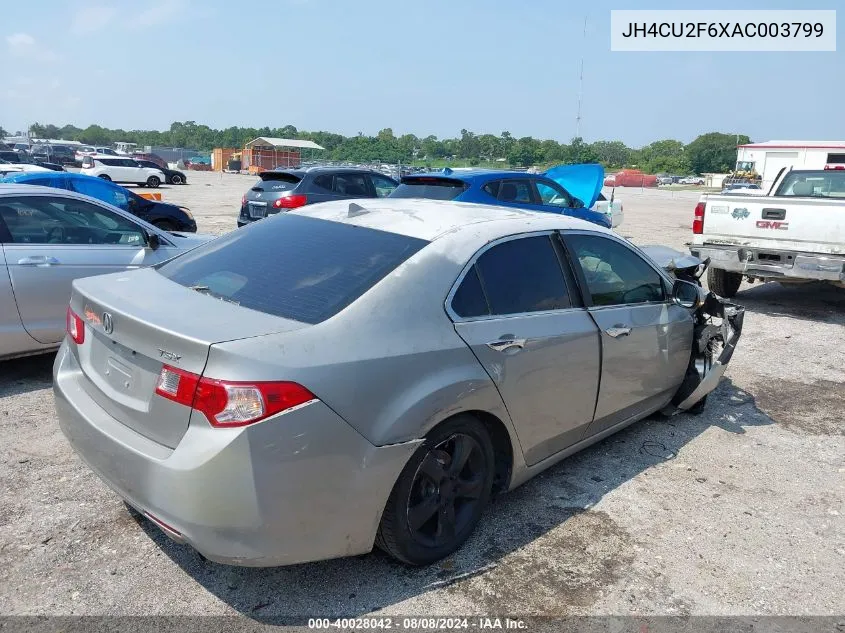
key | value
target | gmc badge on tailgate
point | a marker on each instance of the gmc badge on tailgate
(773, 224)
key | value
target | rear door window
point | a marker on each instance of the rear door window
(327, 265)
(353, 185)
(522, 275)
(324, 181)
(430, 187)
(516, 192)
(277, 181)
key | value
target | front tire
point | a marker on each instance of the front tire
(440, 494)
(164, 225)
(176, 179)
(153, 182)
(104, 177)
(723, 283)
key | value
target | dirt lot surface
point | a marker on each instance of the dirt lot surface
(737, 511)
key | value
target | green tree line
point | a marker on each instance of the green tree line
(712, 152)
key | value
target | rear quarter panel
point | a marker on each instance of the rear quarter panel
(391, 364)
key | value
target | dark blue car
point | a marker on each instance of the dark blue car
(569, 190)
(167, 217)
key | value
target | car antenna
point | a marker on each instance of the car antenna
(356, 209)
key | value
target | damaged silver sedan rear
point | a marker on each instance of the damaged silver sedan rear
(370, 373)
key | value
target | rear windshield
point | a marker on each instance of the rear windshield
(293, 266)
(277, 181)
(428, 187)
(813, 184)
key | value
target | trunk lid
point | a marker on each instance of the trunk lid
(139, 321)
(806, 224)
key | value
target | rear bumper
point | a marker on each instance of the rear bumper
(297, 487)
(773, 263)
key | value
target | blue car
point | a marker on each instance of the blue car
(569, 190)
(167, 217)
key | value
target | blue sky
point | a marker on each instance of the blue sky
(425, 67)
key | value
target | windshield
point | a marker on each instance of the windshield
(813, 184)
(326, 265)
(429, 187)
(746, 165)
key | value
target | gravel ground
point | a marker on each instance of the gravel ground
(738, 511)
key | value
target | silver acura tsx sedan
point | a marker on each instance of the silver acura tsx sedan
(371, 372)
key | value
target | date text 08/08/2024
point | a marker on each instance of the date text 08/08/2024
(423, 623)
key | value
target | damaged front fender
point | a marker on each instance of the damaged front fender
(713, 347)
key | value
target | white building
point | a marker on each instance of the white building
(768, 158)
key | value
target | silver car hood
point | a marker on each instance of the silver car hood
(189, 240)
(669, 259)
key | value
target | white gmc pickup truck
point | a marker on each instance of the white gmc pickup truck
(794, 234)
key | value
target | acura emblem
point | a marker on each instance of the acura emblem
(108, 323)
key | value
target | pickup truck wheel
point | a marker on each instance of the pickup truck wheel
(723, 283)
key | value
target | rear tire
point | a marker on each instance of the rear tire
(448, 482)
(153, 182)
(104, 177)
(723, 283)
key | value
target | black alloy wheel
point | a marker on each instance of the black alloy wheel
(440, 495)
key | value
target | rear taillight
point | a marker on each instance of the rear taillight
(698, 219)
(290, 202)
(230, 404)
(75, 327)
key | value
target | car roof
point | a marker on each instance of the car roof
(432, 219)
(23, 177)
(474, 174)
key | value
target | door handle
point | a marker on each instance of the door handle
(617, 331)
(38, 260)
(505, 344)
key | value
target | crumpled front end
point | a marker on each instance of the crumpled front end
(718, 326)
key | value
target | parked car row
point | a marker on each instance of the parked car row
(14, 161)
(573, 190)
(167, 217)
(666, 179)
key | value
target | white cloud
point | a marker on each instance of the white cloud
(161, 13)
(24, 45)
(20, 43)
(92, 18)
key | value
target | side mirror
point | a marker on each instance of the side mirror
(153, 241)
(577, 204)
(686, 294)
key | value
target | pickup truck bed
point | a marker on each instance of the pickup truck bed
(782, 238)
